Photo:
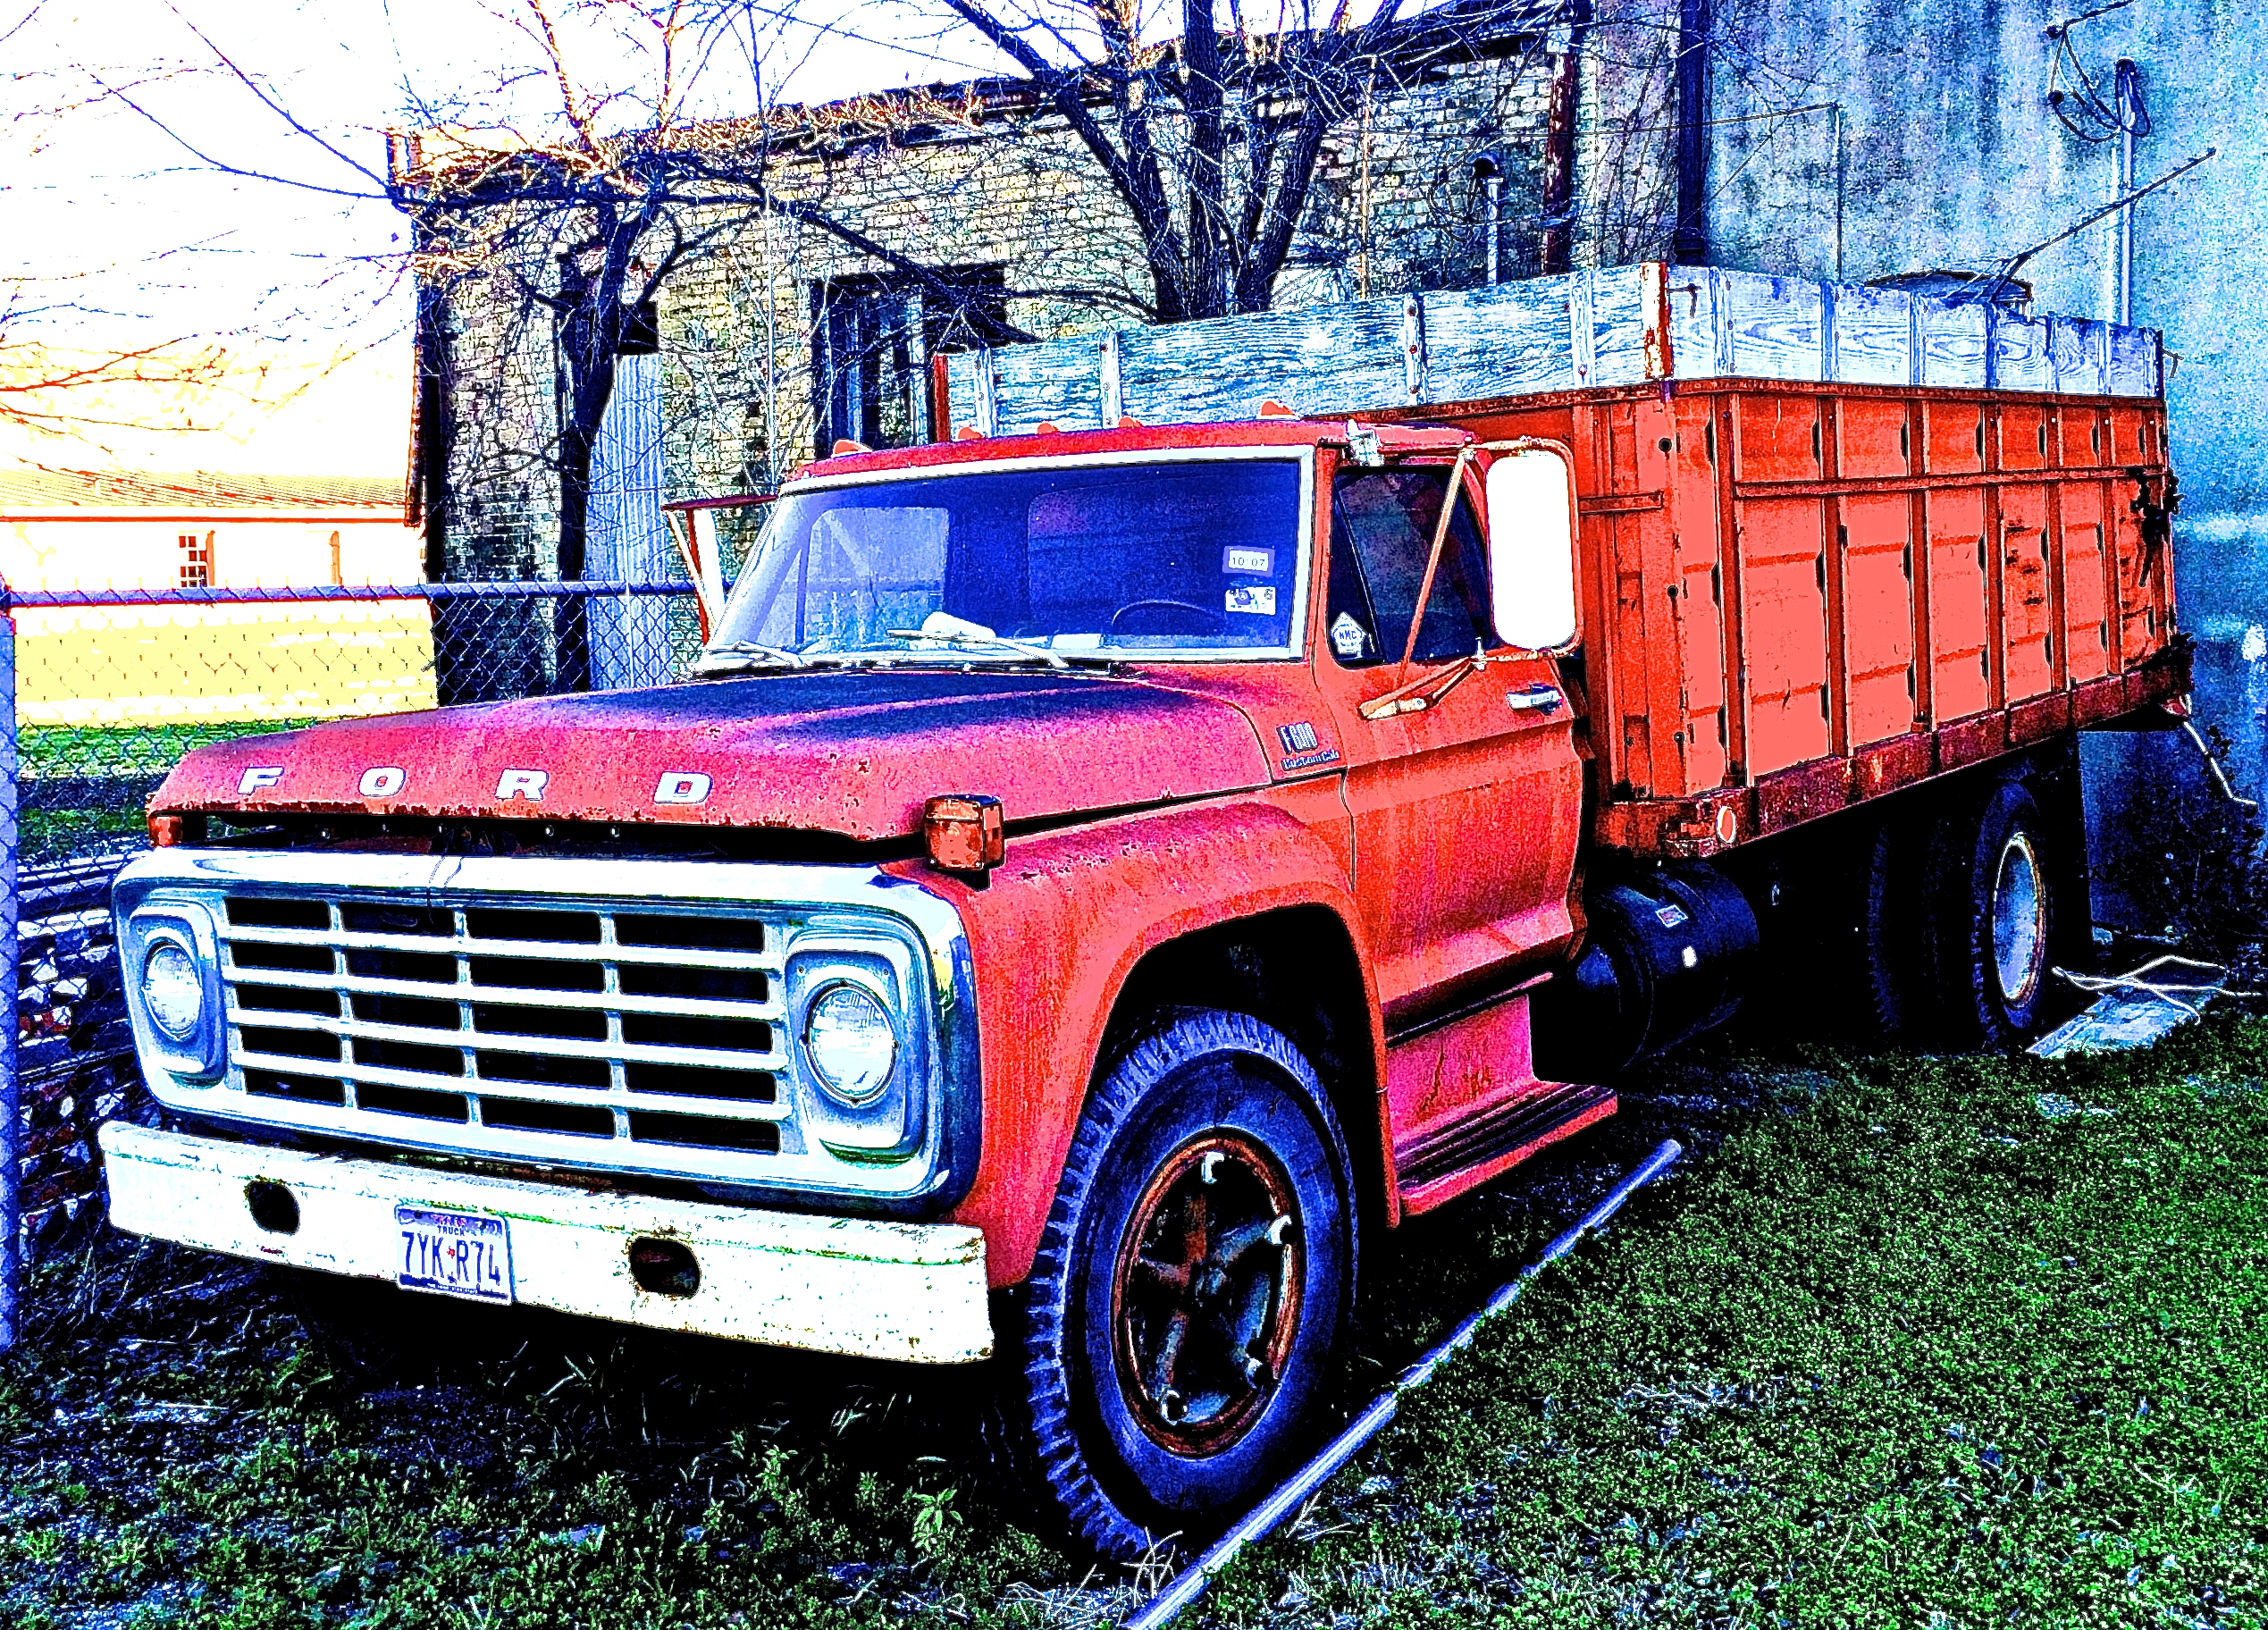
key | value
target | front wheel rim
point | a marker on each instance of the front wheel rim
(1206, 1299)
(2019, 919)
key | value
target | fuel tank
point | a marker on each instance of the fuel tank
(1670, 955)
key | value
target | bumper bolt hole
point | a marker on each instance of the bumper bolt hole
(273, 1207)
(664, 1267)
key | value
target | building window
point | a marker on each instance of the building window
(197, 560)
(872, 341)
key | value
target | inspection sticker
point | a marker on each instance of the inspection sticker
(1259, 562)
(1255, 600)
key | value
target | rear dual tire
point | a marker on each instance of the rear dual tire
(1995, 919)
(1972, 898)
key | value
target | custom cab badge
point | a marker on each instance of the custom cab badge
(1301, 751)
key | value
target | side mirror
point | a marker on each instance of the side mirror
(1531, 497)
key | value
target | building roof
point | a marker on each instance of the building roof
(27, 487)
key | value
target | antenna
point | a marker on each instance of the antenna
(2010, 267)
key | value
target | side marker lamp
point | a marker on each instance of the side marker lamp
(966, 833)
(167, 830)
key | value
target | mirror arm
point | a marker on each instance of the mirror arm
(1415, 698)
(1452, 494)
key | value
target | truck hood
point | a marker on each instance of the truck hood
(853, 753)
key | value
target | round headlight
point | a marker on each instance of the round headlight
(849, 1040)
(172, 989)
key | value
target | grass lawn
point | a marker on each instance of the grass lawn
(82, 788)
(1960, 1342)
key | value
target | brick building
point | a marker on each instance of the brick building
(763, 350)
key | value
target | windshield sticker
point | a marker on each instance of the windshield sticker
(259, 776)
(682, 786)
(1259, 562)
(1348, 637)
(526, 784)
(1252, 600)
(383, 782)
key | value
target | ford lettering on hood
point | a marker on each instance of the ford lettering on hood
(854, 754)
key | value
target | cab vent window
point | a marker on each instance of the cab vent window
(1382, 529)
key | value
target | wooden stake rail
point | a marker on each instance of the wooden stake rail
(1624, 325)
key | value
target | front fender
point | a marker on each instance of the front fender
(1066, 917)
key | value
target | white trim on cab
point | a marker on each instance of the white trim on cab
(911, 1292)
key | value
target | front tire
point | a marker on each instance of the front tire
(1192, 1286)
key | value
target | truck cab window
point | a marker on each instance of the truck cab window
(1381, 530)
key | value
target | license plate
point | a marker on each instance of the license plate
(457, 1253)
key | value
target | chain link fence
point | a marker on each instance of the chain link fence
(103, 692)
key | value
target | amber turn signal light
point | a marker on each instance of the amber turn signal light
(169, 829)
(966, 832)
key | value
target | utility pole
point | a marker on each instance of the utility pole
(1696, 20)
(1560, 145)
(2129, 102)
(1838, 192)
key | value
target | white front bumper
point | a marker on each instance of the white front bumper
(898, 1291)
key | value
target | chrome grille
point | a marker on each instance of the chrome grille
(634, 1039)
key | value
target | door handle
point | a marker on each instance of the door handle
(1535, 698)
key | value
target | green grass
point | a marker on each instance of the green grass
(124, 750)
(82, 787)
(1895, 1347)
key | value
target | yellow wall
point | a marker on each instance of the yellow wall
(145, 665)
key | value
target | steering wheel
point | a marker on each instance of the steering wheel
(1220, 623)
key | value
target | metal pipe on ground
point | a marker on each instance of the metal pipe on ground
(1265, 1518)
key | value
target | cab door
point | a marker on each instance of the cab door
(1467, 809)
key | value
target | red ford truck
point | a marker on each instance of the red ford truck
(1098, 880)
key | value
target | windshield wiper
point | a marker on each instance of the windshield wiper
(944, 628)
(750, 652)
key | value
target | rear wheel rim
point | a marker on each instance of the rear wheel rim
(1206, 1299)
(2019, 920)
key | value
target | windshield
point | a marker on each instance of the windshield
(1119, 559)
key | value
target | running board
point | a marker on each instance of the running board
(1464, 1104)
(1437, 1169)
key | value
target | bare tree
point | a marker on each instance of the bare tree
(585, 214)
(1210, 134)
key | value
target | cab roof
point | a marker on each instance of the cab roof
(977, 450)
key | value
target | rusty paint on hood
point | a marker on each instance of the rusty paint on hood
(853, 753)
